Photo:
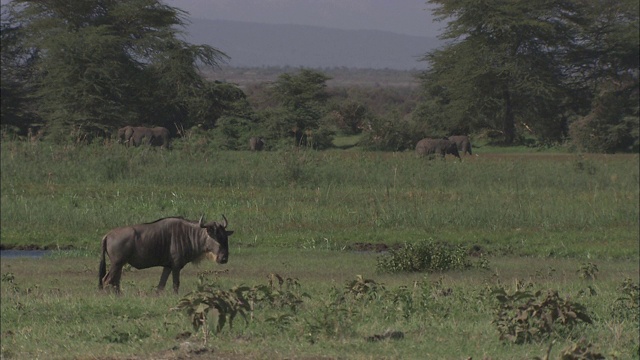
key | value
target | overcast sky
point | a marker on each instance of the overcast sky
(400, 16)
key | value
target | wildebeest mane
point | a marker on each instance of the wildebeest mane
(170, 217)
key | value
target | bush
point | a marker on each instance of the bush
(627, 306)
(427, 255)
(391, 134)
(524, 317)
(209, 296)
(612, 125)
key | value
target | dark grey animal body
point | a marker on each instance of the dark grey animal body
(156, 136)
(256, 144)
(140, 135)
(124, 135)
(462, 142)
(436, 146)
(169, 242)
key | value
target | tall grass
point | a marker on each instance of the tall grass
(291, 212)
(52, 310)
(538, 204)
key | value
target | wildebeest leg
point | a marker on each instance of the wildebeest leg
(113, 276)
(163, 278)
(176, 279)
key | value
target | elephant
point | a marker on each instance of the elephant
(436, 146)
(139, 135)
(124, 135)
(463, 143)
(160, 136)
(256, 144)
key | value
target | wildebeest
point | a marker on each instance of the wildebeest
(462, 142)
(256, 144)
(140, 135)
(436, 146)
(170, 242)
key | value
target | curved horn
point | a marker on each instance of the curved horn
(225, 223)
(201, 222)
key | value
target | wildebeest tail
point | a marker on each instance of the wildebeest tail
(102, 271)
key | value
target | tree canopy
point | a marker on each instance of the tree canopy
(531, 66)
(96, 65)
(301, 105)
(547, 70)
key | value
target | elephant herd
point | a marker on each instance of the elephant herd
(160, 136)
(139, 135)
(453, 145)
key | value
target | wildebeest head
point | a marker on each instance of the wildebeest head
(218, 241)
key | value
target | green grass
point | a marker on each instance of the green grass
(347, 141)
(526, 204)
(56, 311)
(538, 217)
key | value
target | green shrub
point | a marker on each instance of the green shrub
(588, 271)
(362, 288)
(524, 316)
(627, 306)
(10, 282)
(331, 319)
(426, 255)
(227, 303)
(582, 350)
(612, 124)
(285, 292)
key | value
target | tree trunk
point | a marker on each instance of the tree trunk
(508, 124)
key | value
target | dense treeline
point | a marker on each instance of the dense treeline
(552, 68)
(538, 73)
(80, 69)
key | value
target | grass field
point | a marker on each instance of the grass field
(543, 221)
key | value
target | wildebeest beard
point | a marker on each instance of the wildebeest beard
(211, 256)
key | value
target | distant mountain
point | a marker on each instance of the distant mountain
(257, 45)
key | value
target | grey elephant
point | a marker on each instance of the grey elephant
(463, 143)
(124, 135)
(429, 146)
(256, 144)
(160, 136)
(140, 135)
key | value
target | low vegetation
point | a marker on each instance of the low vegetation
(529, 255)
(425, 256)
(541, 204)
(495, 256)
(316, 308)
(524, 316)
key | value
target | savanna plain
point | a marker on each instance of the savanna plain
(548, 233)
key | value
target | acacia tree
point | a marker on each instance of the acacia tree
(15, 61)
(609, 62)
(302, 99)
(535, 65)
(104, 63)
(502, 67)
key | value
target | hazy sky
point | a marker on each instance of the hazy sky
(400, 16)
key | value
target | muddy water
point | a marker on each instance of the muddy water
(9, 254)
